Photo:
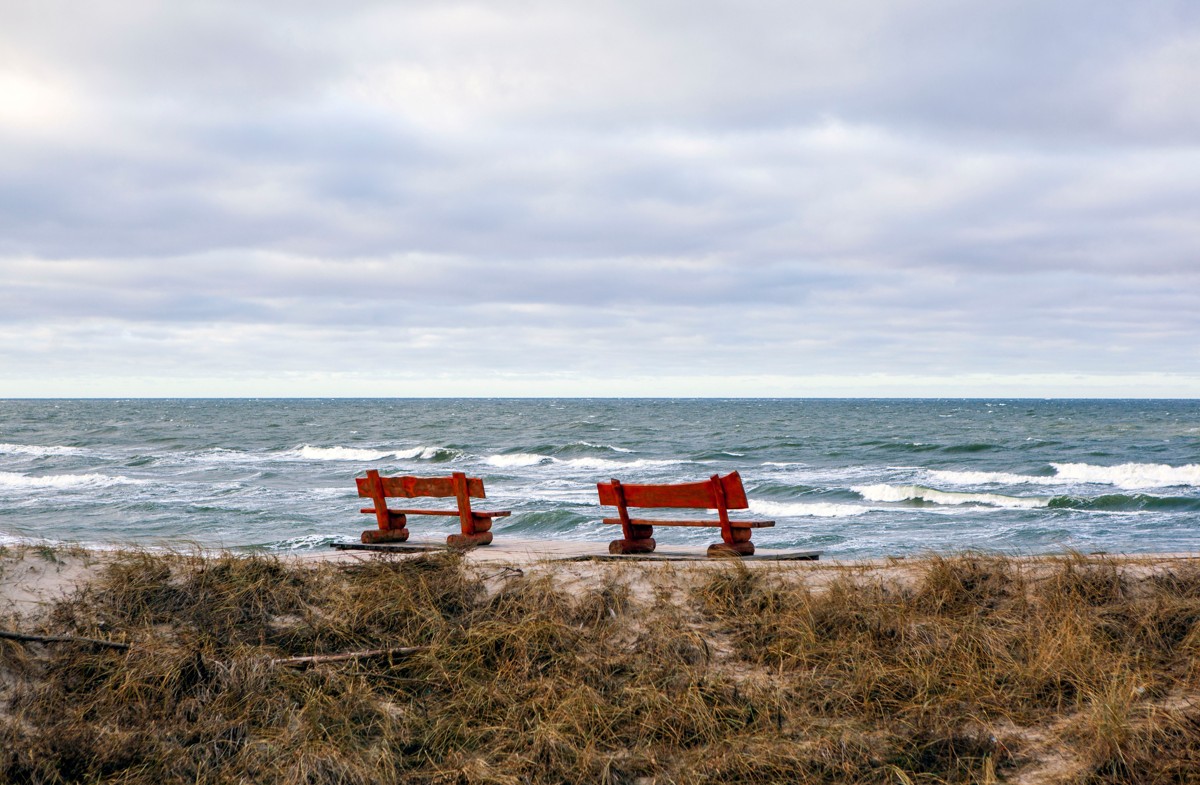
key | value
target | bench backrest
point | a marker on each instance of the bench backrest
(702, 495)
(409, 487)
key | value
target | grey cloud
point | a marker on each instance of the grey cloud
(792, 188)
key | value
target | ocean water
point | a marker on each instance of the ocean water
(851, 478)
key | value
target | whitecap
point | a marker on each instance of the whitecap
(419, 453)
(605, 463)
(612, 447)
(1131, 475)
(308, 452)
(813, 509)
(38, 450)
(881, 492)
(992, 478)
(1126, 475)
(64, 481)
(517, 459)
(329, 492)
(303, 543)
(225, 455)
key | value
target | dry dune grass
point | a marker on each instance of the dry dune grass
(972, 669)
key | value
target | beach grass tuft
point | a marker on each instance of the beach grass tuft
(972, 668)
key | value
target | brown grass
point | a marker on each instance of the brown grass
(973, 669)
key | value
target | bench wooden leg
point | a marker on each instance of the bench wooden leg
(632, 546)
(469, 540)
(734, 549)
(480, 533)
(638, 539)
(734, 542)
(396, 529)
(384, 535)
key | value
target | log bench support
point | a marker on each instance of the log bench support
(476, 525)
(717, 493)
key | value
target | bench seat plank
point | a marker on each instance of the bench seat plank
(480, 513)
(732, 524)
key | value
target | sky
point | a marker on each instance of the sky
(614, 198)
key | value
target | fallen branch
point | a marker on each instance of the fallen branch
(369, 654)
(507, 572)
(26, 637)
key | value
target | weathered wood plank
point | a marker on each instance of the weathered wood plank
(409, 487)
(698, 495)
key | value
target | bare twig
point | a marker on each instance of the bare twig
(506, 572)
(26, 637)
(369, 654)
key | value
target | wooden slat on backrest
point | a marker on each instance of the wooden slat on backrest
(409, 487)
(688, 494)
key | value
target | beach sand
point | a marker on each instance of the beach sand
(33, 577)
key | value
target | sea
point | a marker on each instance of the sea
(850, 478)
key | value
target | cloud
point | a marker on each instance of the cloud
(577, 191)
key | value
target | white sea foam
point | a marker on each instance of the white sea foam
(993, 478)
(64, 481)
(1126, 475)
(330, 493)
(311, 453)
(38, 450)
(225, 455)
(517, 459)
(303, 543)
(520, 459)
(882, 492)
(612, 447)
(1131, 475)
(605, 463)
(813, 509)
(421, 453)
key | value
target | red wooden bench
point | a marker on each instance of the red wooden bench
(393, 524)
(717, 493)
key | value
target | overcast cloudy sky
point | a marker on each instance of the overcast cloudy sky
(919, 197)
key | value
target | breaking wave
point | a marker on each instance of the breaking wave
(64, 481)
(992, 478)
(1131, 475)
(521, 459)
(517, 459)
(304, 543)
(612, 447)
(310, 453)
(1126, 475)
(811, 509)
(1120, 502)
(37, 450)
(902, 493)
